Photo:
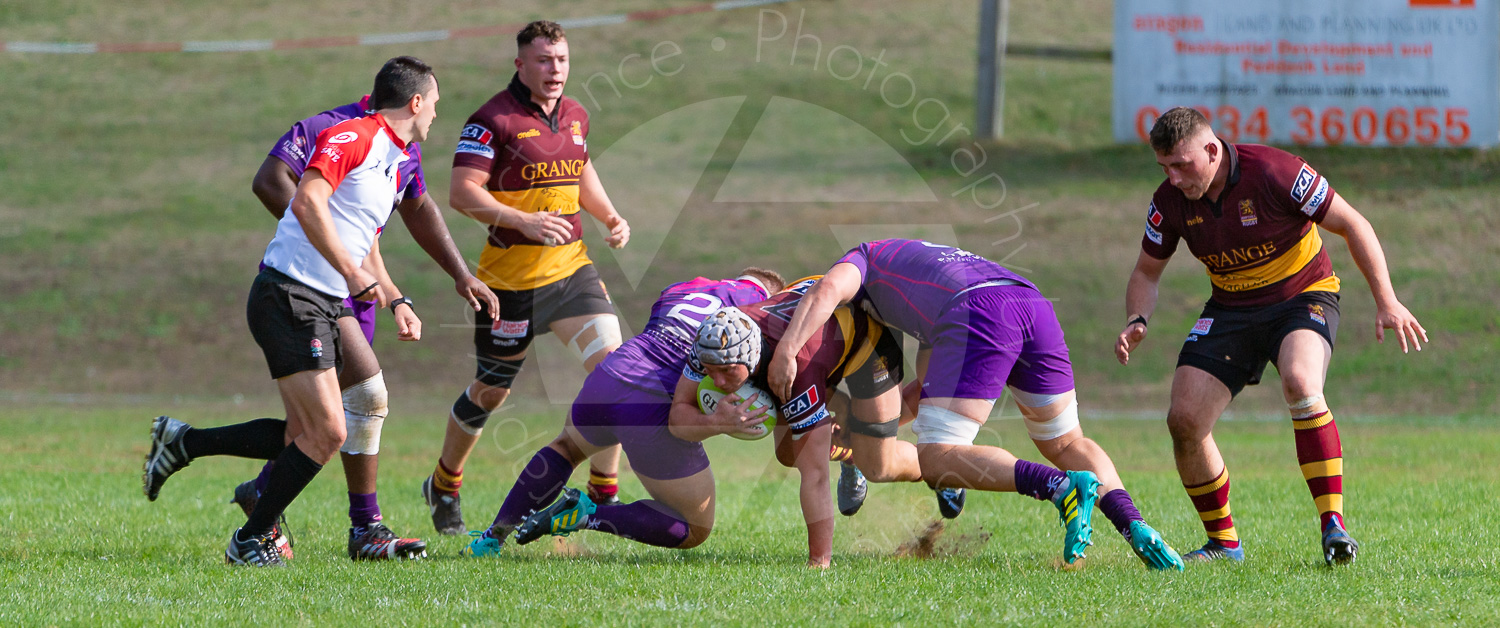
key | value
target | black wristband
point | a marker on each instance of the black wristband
(1138, 319)
(406, 300)
(365, 291)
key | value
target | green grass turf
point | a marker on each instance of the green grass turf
(79, 544)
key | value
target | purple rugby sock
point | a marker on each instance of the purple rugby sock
(1120, 509)
(645, 521)
(539, 484)
(1037, 480)
(364, 509)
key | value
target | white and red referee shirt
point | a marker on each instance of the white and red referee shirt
(361, 158)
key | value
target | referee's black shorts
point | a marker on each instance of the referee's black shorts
(295, 326)
(1234, 343)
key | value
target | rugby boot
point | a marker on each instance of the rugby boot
(256, 551)
(377, 542)
(603, 500)
(166, 455)
(566, 515)
(1212, 550)
(245, 497)
(1338, 547)
(1075, 507)
(447, 517)
(483, 545)
(852, 489)
(951, 502)
(1152, 549)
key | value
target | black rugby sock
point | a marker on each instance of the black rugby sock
(292, 473)
(261, 439)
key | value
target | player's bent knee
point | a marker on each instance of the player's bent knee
(1054, 428)
(1308, 406)
(1185, 428)
(696, 536)
(569, 450)
(366, 405)
(941, 426)
(470, 416)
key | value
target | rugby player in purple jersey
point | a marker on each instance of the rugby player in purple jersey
(360, 380)
(628, 401)
(982, 329)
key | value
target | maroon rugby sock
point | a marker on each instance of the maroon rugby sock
(646, 521)
(540, 483)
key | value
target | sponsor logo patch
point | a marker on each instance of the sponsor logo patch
(317, 348)
(1305, 179)
(578, 133)
(1201, 327)
(802, 403)
(1195, 220)
(343, 138)
(1316, 198)
(475, 148)
(1153, 234)
(333, 153)
(1316, 313)
(525, 134)
(1193, 338)
(1154, 217)
(811, 420)
(477, 133)
(509, 329)
(1247, 213)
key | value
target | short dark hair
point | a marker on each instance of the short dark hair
(769, 278)
(540, 28)
(1177, 124)
(398, 80)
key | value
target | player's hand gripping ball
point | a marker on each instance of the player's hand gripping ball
(709, 397)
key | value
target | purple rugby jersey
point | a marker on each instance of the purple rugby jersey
(653, 359)
(908, 283)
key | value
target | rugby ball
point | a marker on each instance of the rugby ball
(709, 396)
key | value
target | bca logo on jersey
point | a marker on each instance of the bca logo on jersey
(1153, 220)
(477, 133)
(801, 403)
(1305, 179)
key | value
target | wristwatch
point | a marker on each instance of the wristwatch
(406, 300)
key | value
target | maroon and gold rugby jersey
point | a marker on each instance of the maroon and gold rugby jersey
(1259, 242)
(535, 163)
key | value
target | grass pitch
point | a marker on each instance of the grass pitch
(79, 543)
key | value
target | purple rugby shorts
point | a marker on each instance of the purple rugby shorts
(609, 411)
(993, 336)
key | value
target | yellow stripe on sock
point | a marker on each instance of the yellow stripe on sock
(1210, 487)
(602, 481)
(1224, 535)
(1323, 468)
(1214, 514)
(1312, 423)
(1332, 502)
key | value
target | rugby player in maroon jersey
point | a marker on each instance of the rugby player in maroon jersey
(1251, 214)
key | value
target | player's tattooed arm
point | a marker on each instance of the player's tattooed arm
(469, 197)
(1346, 222)
(1140, 301)
(836, 288)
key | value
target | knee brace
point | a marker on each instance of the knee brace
(884, 429)
(1046, 429)
(365, 407)
(498, 372)
(939, 426)
(606, 334)
(468, 415)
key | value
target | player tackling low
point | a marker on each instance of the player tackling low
(1251, 214)
(982, 329)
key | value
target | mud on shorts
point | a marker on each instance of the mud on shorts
(295, 326)
(526, 313)
(992, 336)
(1234, 343)
(609, 411)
